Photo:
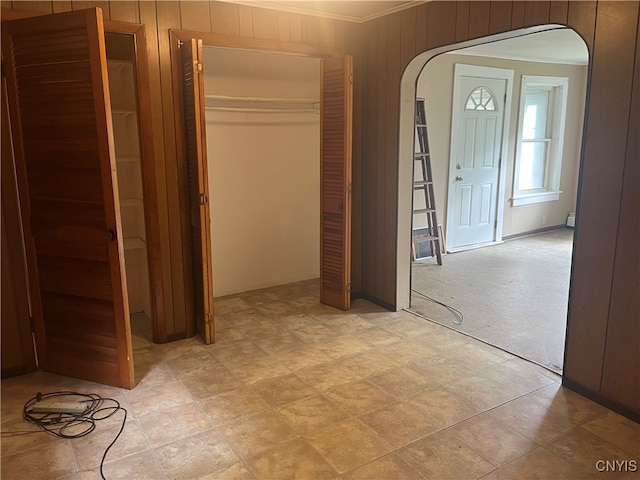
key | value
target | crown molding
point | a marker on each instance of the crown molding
(266, 4)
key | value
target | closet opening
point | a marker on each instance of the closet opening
(126, 116)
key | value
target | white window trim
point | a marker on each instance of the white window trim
(558, 110)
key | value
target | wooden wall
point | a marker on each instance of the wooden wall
(603, 339)
(208, 17)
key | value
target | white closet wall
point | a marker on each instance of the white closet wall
(264, 161)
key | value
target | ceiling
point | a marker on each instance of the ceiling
(553, 46)
(347, 10)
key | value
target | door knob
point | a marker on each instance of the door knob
(459, 178)
(111, 235)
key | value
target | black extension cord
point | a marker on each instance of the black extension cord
(73, 425)
(453, 310)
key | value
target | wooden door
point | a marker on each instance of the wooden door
(63, 141)
(198, 178)
(336, 113)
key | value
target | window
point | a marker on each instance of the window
(481, 99)
(543, 105)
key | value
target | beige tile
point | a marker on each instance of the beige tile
(140, 466)
(441, 456)
(205, 383)
(229, 335)
(359, 397)
(158, 394)
(237, 471)
(255, 434)
(443, 407)
(341, 347)
(377, 336)
(314, 333)
(538, 465)
(327, 375)
(51, 460)
(368, 363)
(399, 424)
(440, 371)
(17, 443)
(617, 430)
(389, 467)
(345, 324)
(295, 460)
(311, 414)
(300, 358)
(401, 382)
(233, 405)
(584, 450)
(281, 390)
(484, 391)
(196, 456)
(493, 440)
(88, 451)
(166, 426)
(537, 416)
(349, 444)
(278, 341)
(405, 351)
(261, 368)
(237, 353)
(410, 326)
(295, 320)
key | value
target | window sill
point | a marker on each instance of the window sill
(531, 198)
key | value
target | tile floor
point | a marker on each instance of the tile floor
(513, 295)
(295, 389)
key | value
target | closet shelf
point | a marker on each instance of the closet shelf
(134, 243)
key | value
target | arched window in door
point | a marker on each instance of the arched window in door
(481, 99)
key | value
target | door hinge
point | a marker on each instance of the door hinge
(348, 287)
(504, 99)
(203, 199)
(209, 318)
(349, 188)
(198, 66)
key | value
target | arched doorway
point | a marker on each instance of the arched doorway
(443, 147)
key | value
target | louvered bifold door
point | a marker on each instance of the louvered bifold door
(336, 112)
(196, 157)
(62, 135)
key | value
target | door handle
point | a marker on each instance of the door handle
(459, 178)
(111, 235)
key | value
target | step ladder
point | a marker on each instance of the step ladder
(429, 230)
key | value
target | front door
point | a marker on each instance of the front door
(62, 137)
(476, 153)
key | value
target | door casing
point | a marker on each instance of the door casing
(490, 73)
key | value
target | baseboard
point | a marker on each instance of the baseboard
(562, 226)
(596, 397)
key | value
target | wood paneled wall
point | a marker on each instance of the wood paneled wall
(208, 17)
(603, 338)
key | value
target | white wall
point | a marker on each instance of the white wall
(435, 84)
(263, 172)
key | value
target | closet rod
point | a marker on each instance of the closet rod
(262, 110)
(262, 99)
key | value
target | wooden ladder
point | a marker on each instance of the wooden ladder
(424, 186)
